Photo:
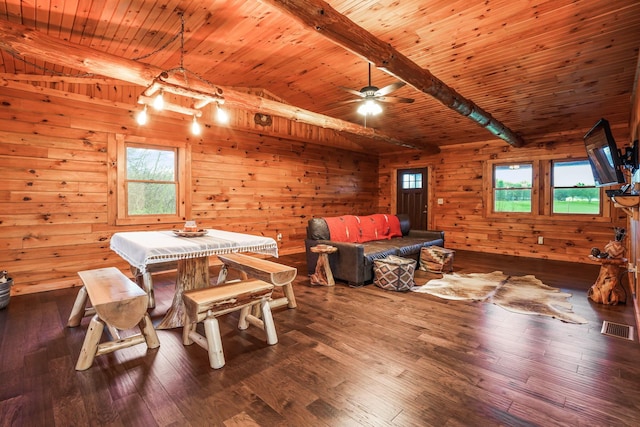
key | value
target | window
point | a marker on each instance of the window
(573, 188)
(543, 188)
(151, 181)
(512, 185)
(411, 181)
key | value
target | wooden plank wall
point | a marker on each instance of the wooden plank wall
(456, 176)
(634, 220)
(53, 192)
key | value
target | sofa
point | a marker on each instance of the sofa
(362, 239)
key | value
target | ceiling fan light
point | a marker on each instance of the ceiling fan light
(370, 108)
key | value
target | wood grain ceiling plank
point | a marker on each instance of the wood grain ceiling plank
(24, 40)
(555, 29)
(236, 39)
(158, 28)
(125, 20)
(141, 36)
(12, 12)
(108, 19)
(195, 18)
(318, 15)
(210, 29)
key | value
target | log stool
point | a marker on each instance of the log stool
(118, 303)
(323, 274)
(269, 271)
(205, 305)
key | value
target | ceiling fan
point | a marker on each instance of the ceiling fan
(370, 95)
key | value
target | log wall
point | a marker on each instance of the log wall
(53, 193)
(456, 177)
(634, 220)
(245, 178)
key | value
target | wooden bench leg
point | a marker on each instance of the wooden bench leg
(244, 313)
(214, 342)
(79, 308)
(145, 281)
(222, 276)
(265, 323)
(187, 329)
(147, 285)
(90, 345)
(269, 326)
(291, 298)
(149, 332)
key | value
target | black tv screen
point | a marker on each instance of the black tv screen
(604, 156)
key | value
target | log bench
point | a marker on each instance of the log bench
(277, 274)
(205, 305)
(116, 302)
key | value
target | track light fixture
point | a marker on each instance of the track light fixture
(168, 81)
(195, 126)
(142, 116)
(221, 115)
(158, 101)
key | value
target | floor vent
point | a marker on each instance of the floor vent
(617, 330)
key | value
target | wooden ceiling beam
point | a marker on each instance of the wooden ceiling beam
(326, 21)
(20, 40)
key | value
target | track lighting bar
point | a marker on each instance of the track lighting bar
(147, 100)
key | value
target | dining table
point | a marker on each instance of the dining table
(143, 249)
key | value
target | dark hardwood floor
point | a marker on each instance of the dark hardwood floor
(346, 357)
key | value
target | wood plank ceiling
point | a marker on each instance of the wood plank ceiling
(538, 67)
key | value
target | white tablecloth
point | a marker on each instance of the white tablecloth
(140, 248)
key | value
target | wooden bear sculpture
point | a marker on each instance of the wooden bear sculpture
(607, 289)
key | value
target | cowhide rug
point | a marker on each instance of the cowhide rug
(520, 294)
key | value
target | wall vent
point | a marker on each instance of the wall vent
(617, 330)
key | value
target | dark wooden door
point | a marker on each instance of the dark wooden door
(412, 196)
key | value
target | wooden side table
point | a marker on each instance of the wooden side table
(323, 275)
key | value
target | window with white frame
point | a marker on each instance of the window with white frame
(512, 184)
(411, 181)
(573, 188)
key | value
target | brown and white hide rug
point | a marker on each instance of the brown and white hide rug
(520, 294)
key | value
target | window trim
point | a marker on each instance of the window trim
(552, 188)
(489, 186)
(117, 200)
(541, 193)
(494, 188)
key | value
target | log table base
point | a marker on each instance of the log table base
(193, 273)
(323, 275)
(607, 289)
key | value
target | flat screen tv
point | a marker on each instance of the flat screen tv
(604, 156)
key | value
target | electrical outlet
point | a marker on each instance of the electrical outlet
(279, 237)
(540, 240)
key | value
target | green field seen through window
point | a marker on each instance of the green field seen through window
(569, 207)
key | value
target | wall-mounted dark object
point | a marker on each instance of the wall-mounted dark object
(262, 119)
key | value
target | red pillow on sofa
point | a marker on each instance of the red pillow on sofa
(344, 228)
